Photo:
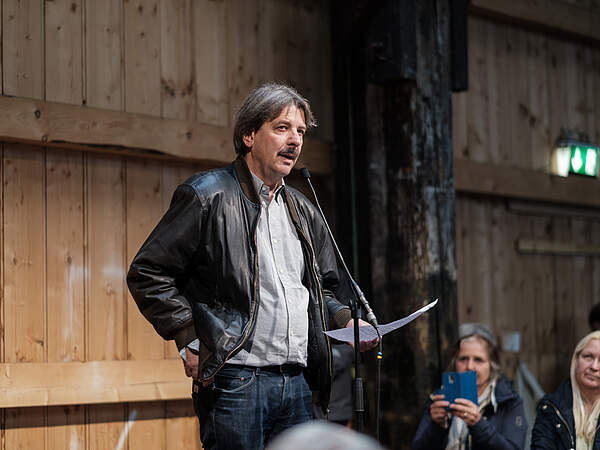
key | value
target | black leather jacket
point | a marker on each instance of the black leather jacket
(196, 274)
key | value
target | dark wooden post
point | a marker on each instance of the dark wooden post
(397, 71)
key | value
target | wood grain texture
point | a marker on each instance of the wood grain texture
(65, 256)
(22, 48)
(552, 15)
(177, 84)
(105, 288)
(104, 74)
(63, 51)
(507, 181)
(211, 65)
(242, 50)
(66, 126)
(144, 210)
(75, 383)
(24, 296)
(24, 255)
(142, 56)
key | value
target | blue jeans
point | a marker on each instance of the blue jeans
(247, 407)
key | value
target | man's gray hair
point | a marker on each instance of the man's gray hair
(264, 104)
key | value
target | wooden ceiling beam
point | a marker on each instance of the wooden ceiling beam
(75, 383)
(79, 127)
(504, 181)
(550, 15)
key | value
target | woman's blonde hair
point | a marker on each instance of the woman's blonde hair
(585, 424)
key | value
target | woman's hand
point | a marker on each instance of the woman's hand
(438, 411)
(466, 410)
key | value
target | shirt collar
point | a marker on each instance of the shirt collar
(263, 189)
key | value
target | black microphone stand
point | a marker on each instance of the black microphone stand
(359, 402)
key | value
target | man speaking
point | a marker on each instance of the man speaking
(241, 273)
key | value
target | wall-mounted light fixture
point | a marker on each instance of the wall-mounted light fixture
(574, 155)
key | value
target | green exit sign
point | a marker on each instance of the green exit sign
(578, 159)
(584, 160)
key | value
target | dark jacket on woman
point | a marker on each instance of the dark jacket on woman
(554, 427)
(196, 274)
(503, 429)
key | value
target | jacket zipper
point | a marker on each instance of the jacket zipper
(321, 300)
(560, 416)
(253, 310)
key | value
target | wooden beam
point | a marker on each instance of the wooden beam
(72, 126)
(556, 248)
(504, 181)
(551, 15)
(50, 384)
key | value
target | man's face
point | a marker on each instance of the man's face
(276, 146)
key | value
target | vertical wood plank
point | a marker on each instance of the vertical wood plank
(211, 62)
(104, 54)
(581, 280)
(541, 141)
(575, 88)
(65, 260)
(65, 284)
(182, 426)
(105, 304)
(463, 241)
(477, 266)
(242, 50)
(144, 210)
(493, 99)
(142, 56)
(2, 315)
(557, 92)
(149, 428)
(460, 140)
(24, 280)
(66, 427)
(24, 428)
(24, 264)
(64, 51)
(275, 38)
(22, 48)
(542, 271)
(178, 90)
(477, 105)
(565, 331)
(520, 118)
(105, 425)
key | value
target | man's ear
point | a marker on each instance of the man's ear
(249, 140)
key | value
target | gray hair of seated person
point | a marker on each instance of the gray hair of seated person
(264, 104)
(469, 332)
(322, 435)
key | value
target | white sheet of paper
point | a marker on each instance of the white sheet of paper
(368, 333)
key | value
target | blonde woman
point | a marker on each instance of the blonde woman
(568, 418)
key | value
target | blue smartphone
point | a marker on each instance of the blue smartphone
(459, 385)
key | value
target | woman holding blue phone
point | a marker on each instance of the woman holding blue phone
(495, 422)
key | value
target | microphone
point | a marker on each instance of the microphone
(365, 304)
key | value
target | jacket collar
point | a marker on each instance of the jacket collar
(244, 177)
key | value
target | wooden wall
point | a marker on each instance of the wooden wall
(72, 220)
(525, 85)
